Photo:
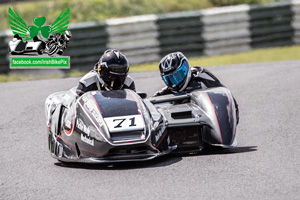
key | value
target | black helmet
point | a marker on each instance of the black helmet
(175, 71)
(113, 68)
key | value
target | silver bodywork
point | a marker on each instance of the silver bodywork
(119, 126)
(202, 112)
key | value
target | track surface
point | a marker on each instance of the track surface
(265, 165)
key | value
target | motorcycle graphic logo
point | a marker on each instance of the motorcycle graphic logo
(51, 40)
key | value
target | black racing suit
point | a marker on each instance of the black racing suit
(201, 78)
(93, 81)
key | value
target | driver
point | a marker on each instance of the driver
(179, 77)
(109, 73)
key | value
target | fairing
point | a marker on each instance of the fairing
(102, 127)
(212, 109)
(117, 126)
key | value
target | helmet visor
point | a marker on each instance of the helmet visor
(175, 78)
(116, 80)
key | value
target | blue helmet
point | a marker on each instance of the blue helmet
(175, 71)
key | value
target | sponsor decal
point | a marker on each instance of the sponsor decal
(39, 45)
(66, 97)
(160, 133)
(81, 126)
(85, 99)
(87, 139)
(90, 106)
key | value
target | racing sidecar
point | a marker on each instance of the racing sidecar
(117, 126)
(18, 47)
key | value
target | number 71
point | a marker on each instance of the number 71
(119, 125)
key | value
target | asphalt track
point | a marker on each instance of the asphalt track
(265, 165)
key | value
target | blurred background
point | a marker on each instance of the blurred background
(100, 10)
(210, 32)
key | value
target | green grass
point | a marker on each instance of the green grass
(255, 56)
(100, 10)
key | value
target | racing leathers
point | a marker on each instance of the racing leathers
(201, 78)
(93, 81)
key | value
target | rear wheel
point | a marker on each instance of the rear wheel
(52, 50)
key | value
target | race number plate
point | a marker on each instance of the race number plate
(125, 123)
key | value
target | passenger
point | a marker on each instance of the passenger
(179, 77)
